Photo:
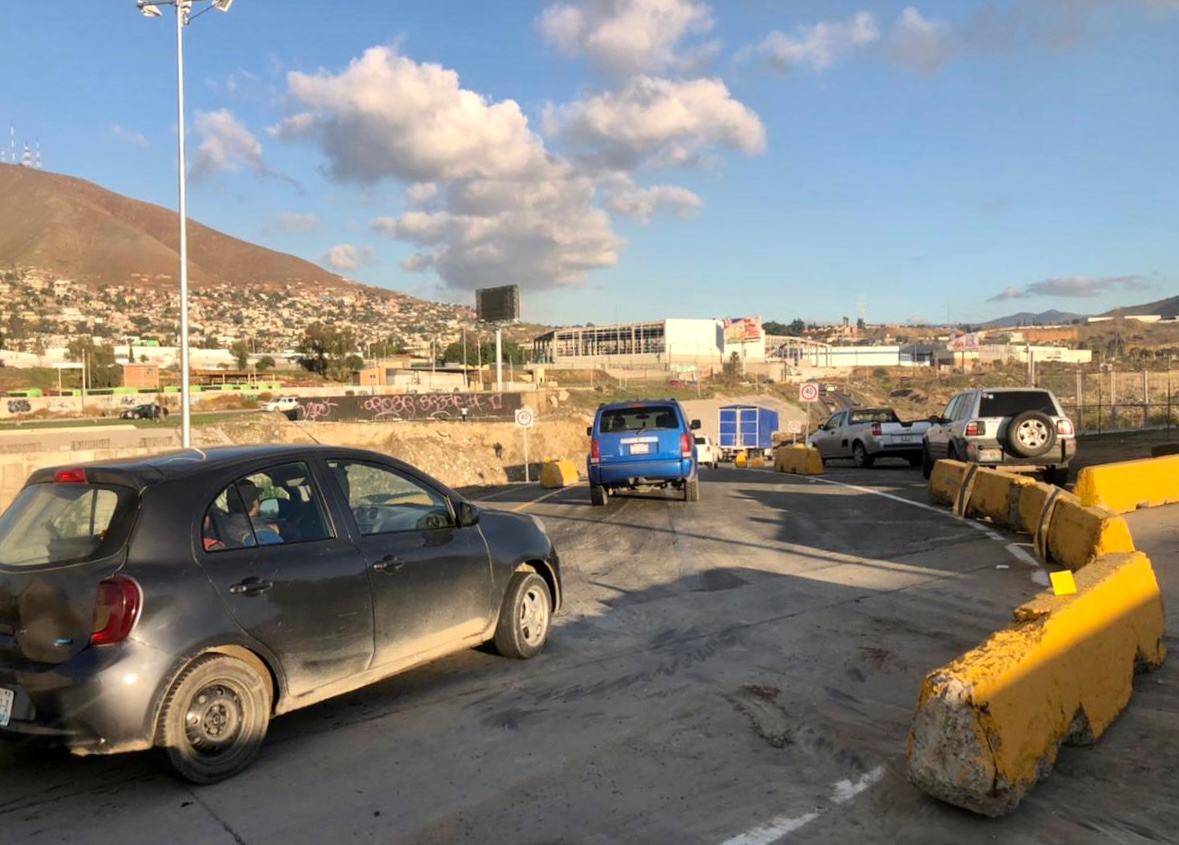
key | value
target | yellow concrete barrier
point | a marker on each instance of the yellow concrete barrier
(1077, 534)
(946, 481)
(758, 461)
(558, 474)
(1129, 485)
(996, 496)
(988, 726)
(740, 460)
(801, 460)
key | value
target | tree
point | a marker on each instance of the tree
(241, 353)
(102, 372)
(265, 363)
(328, 351)
(513, 352)
(732, 369)
(861, 325)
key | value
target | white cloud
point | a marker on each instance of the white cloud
(489, 204)
(626, 37)
(921, 44)
(227, 146)
(298, 222)
(348, 257)
(389, 116)
(643, 203)
(1074, 286)
(818, 46)
(136, 139)
(656, 119)
(421, 192)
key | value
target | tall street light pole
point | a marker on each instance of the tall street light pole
(183, 16)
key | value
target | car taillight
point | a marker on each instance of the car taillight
(876, 430)
(685, 445)
(974, 428)
(1065, 428)
(70, 476)
(115, 611)
(595, 451)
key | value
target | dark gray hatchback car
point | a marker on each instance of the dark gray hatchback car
(180, 601)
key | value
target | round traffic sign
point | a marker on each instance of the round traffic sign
(524, 417)
(808, 391)
(794, 427)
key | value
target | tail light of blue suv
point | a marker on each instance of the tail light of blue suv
(686, 444)
(116, 609)
(595, 451)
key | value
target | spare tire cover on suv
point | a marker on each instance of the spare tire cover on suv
(1031, 434)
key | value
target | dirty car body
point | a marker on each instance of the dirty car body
(126, 584)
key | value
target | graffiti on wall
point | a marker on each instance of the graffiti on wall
(408, 406)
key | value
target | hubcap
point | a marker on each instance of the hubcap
(1032, 434)
(213, 719)
(534, 616)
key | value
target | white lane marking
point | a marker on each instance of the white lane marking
(539, 499)
(771, 831)
(846, 790)
(1038, 577)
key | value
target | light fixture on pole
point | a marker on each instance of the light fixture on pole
(183, 17)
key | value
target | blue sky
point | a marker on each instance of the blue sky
(634, 159)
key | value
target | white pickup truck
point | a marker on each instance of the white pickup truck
(708, 454)
(866, 434)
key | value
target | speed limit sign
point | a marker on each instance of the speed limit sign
(808, 391)
(524, 418)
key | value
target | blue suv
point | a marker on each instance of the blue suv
(642, 445)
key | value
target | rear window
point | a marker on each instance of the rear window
(644, 418)
(65, 523)
(1011, 404)
(873, 415)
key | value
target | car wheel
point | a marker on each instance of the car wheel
(598, 495)
(214, 719)
(860, 456)
(525, 617)
(1031, 434)
(926, 462)
(692, 490)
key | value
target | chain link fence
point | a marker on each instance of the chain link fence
(1115, 400)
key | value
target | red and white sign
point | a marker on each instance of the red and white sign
(808, 391)
(524, 418)
(794, 427)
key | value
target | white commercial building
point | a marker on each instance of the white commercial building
(658, 343)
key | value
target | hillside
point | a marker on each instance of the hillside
(82, 232)
(1028, 318)
(1163, 307)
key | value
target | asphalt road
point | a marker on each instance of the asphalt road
(736, 671)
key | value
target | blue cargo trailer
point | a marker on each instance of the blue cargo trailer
(748, 429)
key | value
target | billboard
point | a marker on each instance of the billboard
(965, 342)
(498, 305)
(742, 330)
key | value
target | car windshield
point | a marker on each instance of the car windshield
(65, 523)
(638, 419)
(1016, 402)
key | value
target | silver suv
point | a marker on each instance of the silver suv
(1018, 428)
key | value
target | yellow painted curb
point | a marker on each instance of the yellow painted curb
(800, 460)
(558, 474)
(1129, 485)
(989, 725)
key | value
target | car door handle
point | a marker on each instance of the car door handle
(389, 563)
(251, 587)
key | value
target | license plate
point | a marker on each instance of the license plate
(640, 448)
(990, 455)
(906, 438)
(7, 697)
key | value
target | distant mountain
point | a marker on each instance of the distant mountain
(1027, 318)
(90, 235)
(1164, 308)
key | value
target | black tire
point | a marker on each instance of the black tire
(692, 490)
(860, 456)
(525, 618)
(598, 495)
(214, 719)
(926, 463)
(1031, 434)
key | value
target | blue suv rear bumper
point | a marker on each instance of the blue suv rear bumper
(627, 472)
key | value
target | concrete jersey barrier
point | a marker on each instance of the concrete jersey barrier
(988, 726)
(561, 473)
(1126, 486)
(801, 460)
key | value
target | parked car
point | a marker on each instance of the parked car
(642, 445)
(866, 434)
(179, 601)
(282, 403)
(707, 453)
(1018, 428)
(151, 411)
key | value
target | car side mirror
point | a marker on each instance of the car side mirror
(468, 515)
(935, 420)
(695, 425)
